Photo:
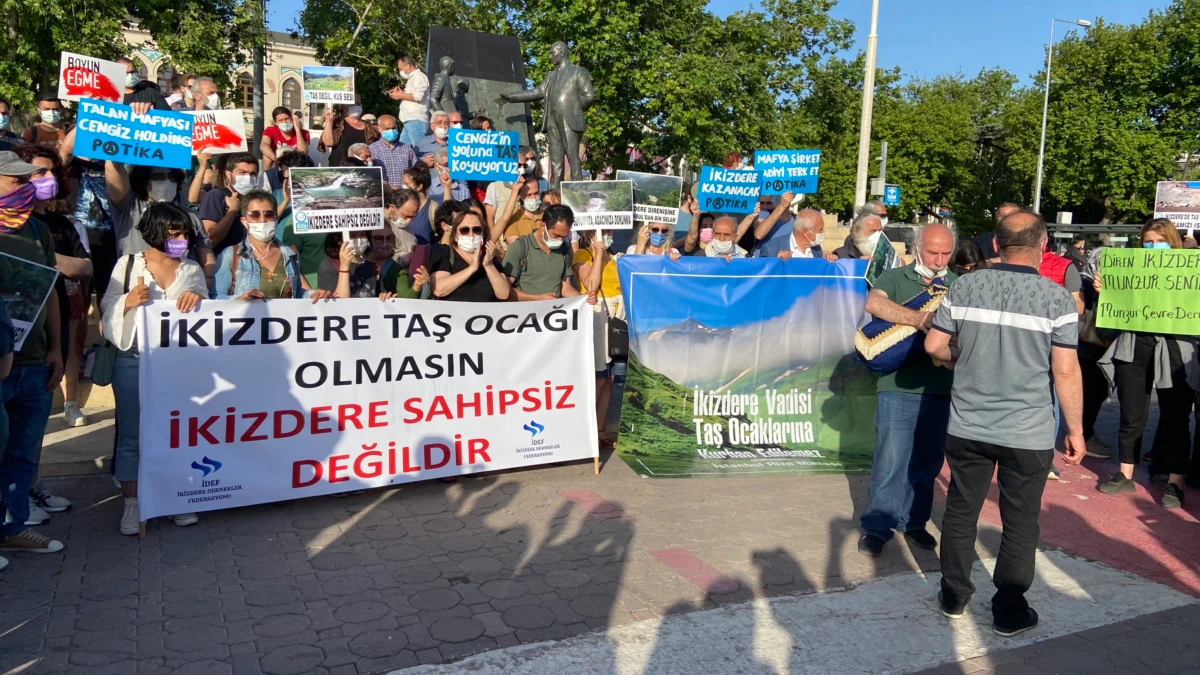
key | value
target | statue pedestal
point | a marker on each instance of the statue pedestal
(492, 65)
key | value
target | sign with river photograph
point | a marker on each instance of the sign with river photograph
(337, 199)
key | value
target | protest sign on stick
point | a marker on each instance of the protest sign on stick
(24, 287)
(355, 394)
(218, 132)
(336, 199)
(782, 171)
(81, 77)
(600, 204)
(1179, 202)
(482, 155)
(1150, 290)
(727, 190)
(110, 131)
(656, 198)
(327, 84)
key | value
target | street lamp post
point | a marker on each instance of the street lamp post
(1037, 188)
(868, 105)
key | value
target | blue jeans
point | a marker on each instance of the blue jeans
(413, 131)
(27, 403)
(910, 444)
(129, 413)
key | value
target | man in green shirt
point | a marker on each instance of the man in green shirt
(37, 366)
(912, 405)
(538, 265)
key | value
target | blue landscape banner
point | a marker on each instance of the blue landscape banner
(781, 171)
(745, 367)
(108, 131)
(482, 155)
(727, 190)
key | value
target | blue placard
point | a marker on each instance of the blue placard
(482, 155)
(108, 131)
(891, 195)
(727, 190)
(795, 171)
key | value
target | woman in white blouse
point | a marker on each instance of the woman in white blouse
(162, 272)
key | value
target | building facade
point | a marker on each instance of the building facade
(285, 56)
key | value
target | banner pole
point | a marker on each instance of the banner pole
(597, 461)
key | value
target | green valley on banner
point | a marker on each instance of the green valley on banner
(745, 367)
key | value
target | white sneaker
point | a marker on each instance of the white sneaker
(73, 416)
(48, 502)
(3, 562)
(129, 519)
(36, 516)
(185, 519)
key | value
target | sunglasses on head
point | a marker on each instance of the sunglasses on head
(477, 229)
(656, 230)
(260, 214)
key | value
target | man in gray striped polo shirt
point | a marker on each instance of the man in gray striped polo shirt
(1016, 336)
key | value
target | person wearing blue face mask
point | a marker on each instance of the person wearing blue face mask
(50, 131)
(388, 152)
(653, 239)
(8, 140)
(1140, 364)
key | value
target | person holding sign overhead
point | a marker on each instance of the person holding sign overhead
(160, 272)
(1140, 364)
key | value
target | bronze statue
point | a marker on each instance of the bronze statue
(568, 92)
(447, 89)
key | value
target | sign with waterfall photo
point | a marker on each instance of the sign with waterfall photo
(337, 199)
(771, 387)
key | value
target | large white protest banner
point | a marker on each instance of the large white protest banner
(251, 402)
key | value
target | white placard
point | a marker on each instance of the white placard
(218, 132)
(82, 76)
(253, 402)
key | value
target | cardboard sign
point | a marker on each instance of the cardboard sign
(781, 171)
(656, 198)
(328, 84)
(336, 199)
(483, 155)
(81, 77)
(600, 204)
(1150, 290)
(727, 190)
(218, 132)
(109, 131)
(25, 287)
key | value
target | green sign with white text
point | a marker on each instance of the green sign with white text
(1150, 290)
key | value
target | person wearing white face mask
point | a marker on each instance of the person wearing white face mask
(414, 100)
(219, 208)
(262, 267)
(342, 133)
(466, 270)
(538, 265)
(50, 131)
(808, 233)
(497, 192)
(522, 212)
(865, 232)
(204, 94)
(439, 131)
(457, 189)
(912, 403)
(283, 136)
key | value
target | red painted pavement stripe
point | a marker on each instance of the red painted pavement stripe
(1131, 532)
(699, 573)
(597, 507)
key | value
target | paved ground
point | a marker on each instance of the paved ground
(433, 573)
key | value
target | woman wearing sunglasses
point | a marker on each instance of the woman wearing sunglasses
(466, 270)
(654, 239)
(261, 267)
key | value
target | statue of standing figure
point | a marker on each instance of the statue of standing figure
(568, 92)
(447, 89)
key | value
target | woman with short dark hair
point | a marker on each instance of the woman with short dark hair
(162, 272)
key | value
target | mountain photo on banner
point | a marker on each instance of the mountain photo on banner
(749, 369)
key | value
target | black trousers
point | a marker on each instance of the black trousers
(1135, 382)
(1095, 387)
(1022, 478)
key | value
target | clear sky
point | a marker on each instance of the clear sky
(935, 37)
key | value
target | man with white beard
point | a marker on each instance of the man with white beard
(913, 403)
(865, 232)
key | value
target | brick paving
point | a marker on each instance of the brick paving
(433, 572)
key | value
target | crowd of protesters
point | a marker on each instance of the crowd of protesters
(124, 236)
